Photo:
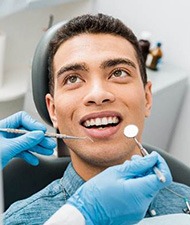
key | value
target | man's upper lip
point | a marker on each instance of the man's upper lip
(100, 115)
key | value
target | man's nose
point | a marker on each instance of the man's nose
(98, 94)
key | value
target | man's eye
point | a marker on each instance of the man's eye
(72, 79)
(120, 73)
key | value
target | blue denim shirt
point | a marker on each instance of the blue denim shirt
(39, 207)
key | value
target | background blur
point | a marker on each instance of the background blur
(22, 23)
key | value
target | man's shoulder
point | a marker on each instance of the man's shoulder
(171, 199)
(178, 190)
(34, 206)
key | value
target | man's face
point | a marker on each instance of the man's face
(98, 91)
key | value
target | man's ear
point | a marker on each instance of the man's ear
(51, 109)
(148, 98)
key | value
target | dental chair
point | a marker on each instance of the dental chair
(20, 179)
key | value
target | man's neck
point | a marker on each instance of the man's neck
(84, 170)
(87, 171)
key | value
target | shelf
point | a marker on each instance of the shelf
(169, 86)
(14, 85)
(167, 76)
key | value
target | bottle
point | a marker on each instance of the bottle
(144, 44)
(154, 57)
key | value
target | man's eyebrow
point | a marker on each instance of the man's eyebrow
(117, 61)
(72, 67)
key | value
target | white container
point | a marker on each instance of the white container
(2, 55)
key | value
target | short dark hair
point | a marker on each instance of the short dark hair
(94, 24)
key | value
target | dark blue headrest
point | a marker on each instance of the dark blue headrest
(40, 72)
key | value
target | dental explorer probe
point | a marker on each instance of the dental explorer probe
(131, 131)
(47, 134)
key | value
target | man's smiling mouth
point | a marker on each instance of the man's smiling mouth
(101, 122)
(102, 125)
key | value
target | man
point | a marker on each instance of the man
(98, 85)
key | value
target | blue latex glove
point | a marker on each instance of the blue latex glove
(121, 194)
(14, 145)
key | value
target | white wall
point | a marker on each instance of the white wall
(168, 21)
(23, 30)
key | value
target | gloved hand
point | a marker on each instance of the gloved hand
(121, 194)
(14, 145)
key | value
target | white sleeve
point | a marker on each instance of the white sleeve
(66, 215)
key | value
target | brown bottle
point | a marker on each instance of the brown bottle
(154, 57)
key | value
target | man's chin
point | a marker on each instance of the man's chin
(104, 162)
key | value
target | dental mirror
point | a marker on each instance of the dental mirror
(131, 131)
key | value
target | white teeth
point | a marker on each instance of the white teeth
(87, 123)
(101, 121)
(115, 120)
(92, 122)
(98, 121)
(109, 119)
(104, 121)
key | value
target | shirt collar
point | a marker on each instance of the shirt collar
(71, 181)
